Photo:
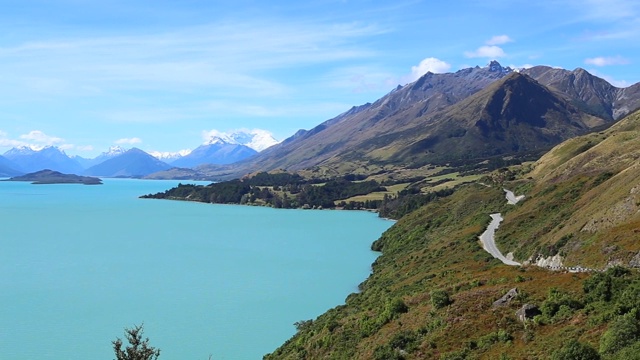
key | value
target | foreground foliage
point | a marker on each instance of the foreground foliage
(138, 348)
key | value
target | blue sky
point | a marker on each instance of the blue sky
(85, 75)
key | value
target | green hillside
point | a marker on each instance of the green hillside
(431, 292)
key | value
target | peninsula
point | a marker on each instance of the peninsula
(54, 177)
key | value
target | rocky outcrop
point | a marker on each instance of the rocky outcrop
(548, 262)
(527, 312)
(506, 299)
(635, 262)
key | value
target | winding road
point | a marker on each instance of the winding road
(488, 236)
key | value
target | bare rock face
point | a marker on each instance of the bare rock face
(527, 312)
(635, 262)
(551, 262)
(506, 299)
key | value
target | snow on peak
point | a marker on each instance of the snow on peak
(20, 150)
(220, 140)
(114, 151)
(168, 155)
(257, 139)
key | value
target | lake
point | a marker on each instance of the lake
(80, 263)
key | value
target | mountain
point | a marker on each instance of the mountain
(460, 119)
(49, 157)
(576, 233)
(255, 139)
(514, 115)
(132, 163)
(169, 157)
(216, 151)
(8, 168)
(588, 92)
(419, 123)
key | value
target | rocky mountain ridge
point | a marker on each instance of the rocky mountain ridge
(410, 117)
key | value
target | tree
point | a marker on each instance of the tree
(138, 348)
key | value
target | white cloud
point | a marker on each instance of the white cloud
(227, 56)
(429, 64)
(499, 40)
(41, 138)
(487, 51)
(605, 61)
(129, 141)
(4, 142)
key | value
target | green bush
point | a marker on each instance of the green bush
(575, 350)
(439, 298)
(623, 331)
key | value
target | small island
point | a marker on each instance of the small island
(54, 177)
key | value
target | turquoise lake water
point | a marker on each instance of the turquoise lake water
(79, 263)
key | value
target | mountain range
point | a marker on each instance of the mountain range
(221, 148)
(435, 293)
(577, 295)
(461, 117)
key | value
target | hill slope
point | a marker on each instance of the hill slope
(433, 285)
(8, 168)
(588, 190)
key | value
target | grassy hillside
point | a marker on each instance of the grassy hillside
(583, 201)
(431, 292)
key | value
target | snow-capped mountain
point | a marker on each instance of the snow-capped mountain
(112, 152)
(255, 139)
(168, 156)
(49, 157)
(216, 151)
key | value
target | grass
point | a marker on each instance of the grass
(435, 249)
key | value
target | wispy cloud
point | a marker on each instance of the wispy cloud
(609, 10)
(487, 51)
(40, 137)
(128, 141)
(499, 40)
(491, 48)
(230, 55)
(35, 139)
(605, 61)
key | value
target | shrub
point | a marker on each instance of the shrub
(439, 299)
(396, 307)
(575, 350)
(623, 331)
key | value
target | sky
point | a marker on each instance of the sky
(159, 75)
